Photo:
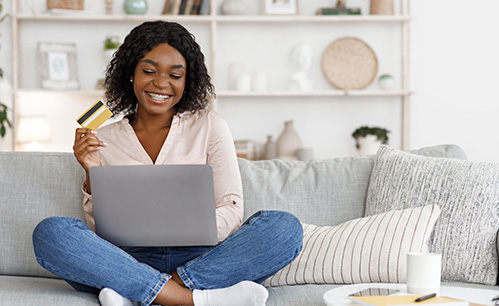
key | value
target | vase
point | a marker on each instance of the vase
(368, 145)
(233, 7)
(288, 142)
(135, 7)
(381, 7)
(270, 149)
(386, 82)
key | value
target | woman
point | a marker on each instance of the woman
(159, 81)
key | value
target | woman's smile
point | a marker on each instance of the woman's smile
(159, 98)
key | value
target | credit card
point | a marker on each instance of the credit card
(94, 116)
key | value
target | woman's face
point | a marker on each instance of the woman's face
(159, 80)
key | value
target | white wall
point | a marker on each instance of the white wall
(455, 66)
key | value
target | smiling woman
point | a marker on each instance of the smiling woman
(159, 82)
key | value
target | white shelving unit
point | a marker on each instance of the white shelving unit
(215, 25)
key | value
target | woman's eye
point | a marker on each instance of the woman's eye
(176, 76)
(148, 71)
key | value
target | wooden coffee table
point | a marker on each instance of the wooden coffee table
(339, 296)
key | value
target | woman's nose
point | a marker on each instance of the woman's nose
(161, 81)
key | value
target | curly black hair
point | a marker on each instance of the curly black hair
(119, 93)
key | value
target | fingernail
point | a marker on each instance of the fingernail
(93, 132)
(105, 144)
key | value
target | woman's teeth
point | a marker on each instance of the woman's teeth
(158, 97)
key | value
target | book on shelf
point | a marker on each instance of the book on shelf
(406, 300)
(172, 7)
(338, 11)
(196, 7)
(186, 7)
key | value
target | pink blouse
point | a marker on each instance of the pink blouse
(202, 137)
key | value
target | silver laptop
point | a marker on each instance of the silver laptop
(160, 205)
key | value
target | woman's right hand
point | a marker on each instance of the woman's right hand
(87, 147)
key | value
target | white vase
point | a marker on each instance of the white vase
(368, 145)
(288, 143)
(233, 7)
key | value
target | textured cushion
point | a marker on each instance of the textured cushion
(33, 187)
(468, 196)
(365, 250)
(320, 192)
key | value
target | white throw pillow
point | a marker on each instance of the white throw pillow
(466, 192)
(365, 250)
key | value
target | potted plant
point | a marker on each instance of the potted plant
(369, 139)
(4, 120)
(111, 44)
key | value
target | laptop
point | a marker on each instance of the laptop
(154, 205)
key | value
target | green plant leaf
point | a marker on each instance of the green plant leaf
(2, 131)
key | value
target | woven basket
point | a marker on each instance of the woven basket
(349, 63)
(65, 4)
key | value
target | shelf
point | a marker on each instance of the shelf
(311, 19)
(325, 93)
(61, 92)
(242, 94)
(111, 18)
(214, 18)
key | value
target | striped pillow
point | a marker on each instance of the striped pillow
(365, 250)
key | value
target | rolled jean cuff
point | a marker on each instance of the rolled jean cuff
(155, 291)
(183, 276)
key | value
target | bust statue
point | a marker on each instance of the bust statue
(301, 54)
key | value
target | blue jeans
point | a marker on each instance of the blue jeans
(67, 247)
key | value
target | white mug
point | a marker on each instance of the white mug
(423, 272)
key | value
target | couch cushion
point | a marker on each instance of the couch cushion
(468, 196)
(34, 186)
(19, 290)
(365, 250)
(320, 192)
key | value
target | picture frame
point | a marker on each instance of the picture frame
(57, 64)
(280, 7)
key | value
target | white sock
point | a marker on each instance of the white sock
(109, 297)
(245, 293)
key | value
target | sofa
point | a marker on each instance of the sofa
(321, 193)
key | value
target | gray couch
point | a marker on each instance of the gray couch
(34, 186)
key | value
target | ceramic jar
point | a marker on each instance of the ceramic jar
(135, 7)
(381, 7)
(288, 143)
